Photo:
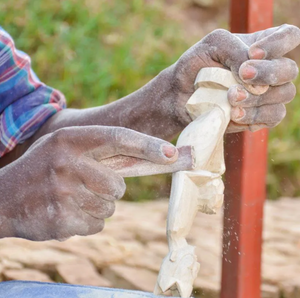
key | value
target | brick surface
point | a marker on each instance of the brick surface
(131, 278)
(129, 251)
(25, 274)
(72, 273)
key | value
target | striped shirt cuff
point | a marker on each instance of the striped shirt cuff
(25, 102)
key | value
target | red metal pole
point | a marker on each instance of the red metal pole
(246, 162)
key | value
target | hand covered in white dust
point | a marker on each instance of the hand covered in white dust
(58, 188)
(256, 60)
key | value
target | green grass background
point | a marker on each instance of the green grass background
(97, 51)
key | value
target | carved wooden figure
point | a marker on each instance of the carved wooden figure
(200, 189)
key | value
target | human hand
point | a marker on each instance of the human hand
(256, 61)
(58, 188)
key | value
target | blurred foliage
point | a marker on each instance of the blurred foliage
(284, 141)
(93, 51)
(284, 153)
(96, 51)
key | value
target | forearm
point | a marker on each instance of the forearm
(154, 109)
(150, 110)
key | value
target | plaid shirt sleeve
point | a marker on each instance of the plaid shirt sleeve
(25, 102)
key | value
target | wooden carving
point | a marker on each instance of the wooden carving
(200, 189)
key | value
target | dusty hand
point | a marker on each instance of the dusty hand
(256, 61)
(57, 189)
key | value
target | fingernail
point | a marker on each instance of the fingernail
(169, 151)
(248, 72)
(241, 94)
(257, 53)
(238, 113)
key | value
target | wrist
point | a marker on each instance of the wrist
(175, 97)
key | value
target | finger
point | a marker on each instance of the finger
(94, 226)
(214, 50)
(250, 38)
(275, 43)
(269, 115)
(101, 142)
(221, 50)
(269, 72)
(238, 96)
(94, 205)
(76, 221)
(221, 44)
(100, 180)
(86, 224)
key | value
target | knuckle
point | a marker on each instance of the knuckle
(112, 187)
(60, 163)
(119, 135)
(290, 29)
(96, 227)
(217, 36)
(285, 26)
(58, 137)
(115, 188)
(59, 191)
(92, 226)
(220, 33)
(99, 207)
